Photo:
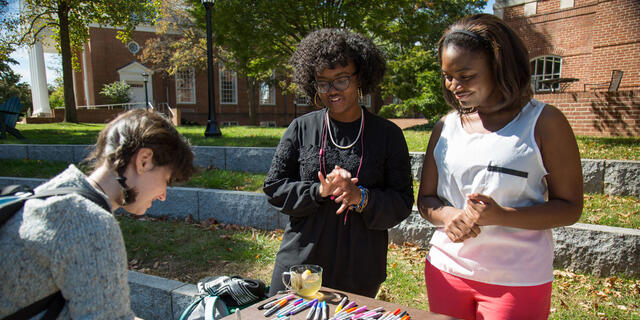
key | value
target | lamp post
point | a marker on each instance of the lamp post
(145, 76)
(212, 129)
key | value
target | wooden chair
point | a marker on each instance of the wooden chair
(614, 84)
(9, 112)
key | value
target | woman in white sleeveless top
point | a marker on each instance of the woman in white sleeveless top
(499, 172)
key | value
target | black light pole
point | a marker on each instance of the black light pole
(212, 129)
(145, 76)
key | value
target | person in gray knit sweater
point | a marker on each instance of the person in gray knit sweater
(71, 244)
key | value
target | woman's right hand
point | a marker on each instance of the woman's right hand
(461, 225)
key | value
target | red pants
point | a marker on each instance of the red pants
(468, 299)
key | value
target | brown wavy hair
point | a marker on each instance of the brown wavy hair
(505, 51)
(128, 132)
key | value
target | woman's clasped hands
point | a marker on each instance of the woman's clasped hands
(481, 210)
(341, 187)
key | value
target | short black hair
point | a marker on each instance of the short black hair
(506, 54)
(328, 48)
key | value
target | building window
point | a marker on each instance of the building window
(133, 47)
(545, 67)
(229, 123)
(267, 123)
(186, 86)
(301, 101)
(267, 93)
(228, 86)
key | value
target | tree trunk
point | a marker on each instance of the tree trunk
(67, 70)
(252, 85)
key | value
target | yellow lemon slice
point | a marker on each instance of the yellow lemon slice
(306, 274)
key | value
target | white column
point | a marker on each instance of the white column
(85, 75)
(39, 91)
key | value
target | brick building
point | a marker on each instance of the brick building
(108, 60)
(582, 42)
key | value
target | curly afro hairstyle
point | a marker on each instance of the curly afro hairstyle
(328, 48)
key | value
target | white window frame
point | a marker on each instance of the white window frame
(301, 101)
(268, 124)
(271, 93)
(186, 82)
(222, 74)
(535, 77)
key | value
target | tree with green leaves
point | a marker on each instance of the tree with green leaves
(10, 85)
(256, 39)
(66, 22)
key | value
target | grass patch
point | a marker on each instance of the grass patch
(207, 178)
(417, 137)
(227, 180)
(31, 168)
(189, 252)
(608, 210)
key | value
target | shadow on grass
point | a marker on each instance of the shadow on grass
(258, 141)
(422, 127)
(190, 252)
(57, 133)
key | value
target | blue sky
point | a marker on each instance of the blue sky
(53, 63)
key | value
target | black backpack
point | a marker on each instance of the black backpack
(12, 198)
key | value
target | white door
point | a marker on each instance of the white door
(136, 91)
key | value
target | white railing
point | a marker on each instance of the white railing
(127, 106)
(165, 108)
(162, 107)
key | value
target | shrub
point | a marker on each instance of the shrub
(116, 92)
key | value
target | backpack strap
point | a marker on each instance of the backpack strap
(86, 193)
(52, 303)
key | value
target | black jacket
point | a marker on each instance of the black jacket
(353, 255)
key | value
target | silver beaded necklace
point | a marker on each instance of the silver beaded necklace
(355, 140)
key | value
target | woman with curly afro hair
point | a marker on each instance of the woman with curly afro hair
(341, 174)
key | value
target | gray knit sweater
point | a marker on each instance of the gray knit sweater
(65, 243)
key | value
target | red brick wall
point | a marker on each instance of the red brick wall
(600, 113)
(594, 37)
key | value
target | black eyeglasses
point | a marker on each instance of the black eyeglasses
(339, 84)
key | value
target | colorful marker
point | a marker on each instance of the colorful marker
(274, 308)
(303, 306)
(274, 302)
(344, 300)
(290, 307)
(312, 310)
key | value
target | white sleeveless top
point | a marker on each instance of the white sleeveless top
(506, 165)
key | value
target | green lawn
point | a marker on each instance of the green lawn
(620, 148)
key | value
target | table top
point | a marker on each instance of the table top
(333, 298)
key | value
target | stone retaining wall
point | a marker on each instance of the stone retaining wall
(594, 249)
(600, 176)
